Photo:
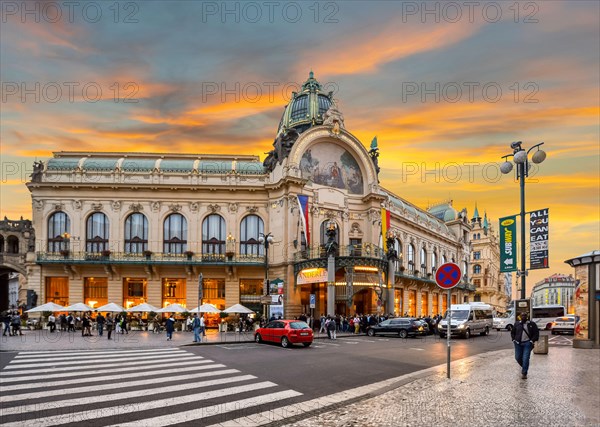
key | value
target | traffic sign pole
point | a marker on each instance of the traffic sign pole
(447, 277)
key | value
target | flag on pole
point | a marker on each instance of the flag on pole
(385, 225)
(303, 202)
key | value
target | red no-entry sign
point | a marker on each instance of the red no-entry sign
(448, 275)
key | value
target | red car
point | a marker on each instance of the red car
(285, 332)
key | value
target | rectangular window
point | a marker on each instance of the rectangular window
(173, 292)
(477, 255)
(453, 299)
(134, 291)
(356, 247)
(424, 304)
(95, 291)
(57, 290)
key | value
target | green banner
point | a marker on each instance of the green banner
(508, 244)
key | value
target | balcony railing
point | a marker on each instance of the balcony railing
(365, 251)
(141, 258)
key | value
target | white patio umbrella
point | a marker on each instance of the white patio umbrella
(49, 306)
(238, 308)
(142, 308)
(79, 307)
(112, 307)
(206, 308)
(172, 308)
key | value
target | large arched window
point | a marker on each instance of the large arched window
(12, 245)
(136, 233)
(434, 261)
(476, 269)
(96, 233)
(423, 261)
(175, 234)
(1, 244)
(410, 258)
(444, 259)
(213, 235)
(251, 227)
(59, 226)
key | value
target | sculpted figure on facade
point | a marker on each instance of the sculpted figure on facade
(116, 205)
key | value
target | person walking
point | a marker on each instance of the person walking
(86, 326)
(196, 328)
(123, 325)
(524, 334)
(331, 329)
(202, 325)
(15, 323)
(170, 326)
(71, 323)
(100, 324)
(6, 323)
(52, 322)
(109, 324)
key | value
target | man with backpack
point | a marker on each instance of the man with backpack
(524, 334)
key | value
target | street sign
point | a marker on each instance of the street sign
(313, 300)
(508, 244)
(448, 275)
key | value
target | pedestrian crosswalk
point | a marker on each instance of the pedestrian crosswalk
(133, 387)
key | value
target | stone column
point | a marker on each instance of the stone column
(331, 284)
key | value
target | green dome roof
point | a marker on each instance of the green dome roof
(307, 107)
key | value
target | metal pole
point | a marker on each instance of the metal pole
(522, 172)
(449, 304)
(266, 277)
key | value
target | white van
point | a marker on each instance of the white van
(506, 321)
(468, 319)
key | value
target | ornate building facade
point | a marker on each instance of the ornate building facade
(143, 227)
(485, 264)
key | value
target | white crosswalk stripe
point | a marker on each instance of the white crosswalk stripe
(74, 390)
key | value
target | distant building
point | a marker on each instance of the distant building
(485, 264)
(556, 289)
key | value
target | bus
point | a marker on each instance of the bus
(545, 315)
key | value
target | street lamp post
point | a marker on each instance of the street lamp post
(266, 240)
(519, 156)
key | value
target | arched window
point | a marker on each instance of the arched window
(1, 244)
(136, 233)
(59, 226)
(96, 233)
(410, 256)
(423, 261)
(213, 235)
(476, 269)
(434, 261)
(443, 259)
(251, 227)
(398, 249)
(175, 234)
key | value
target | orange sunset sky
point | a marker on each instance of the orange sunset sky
(446, 92)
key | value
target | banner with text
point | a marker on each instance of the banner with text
(508, 244)
(538, 239)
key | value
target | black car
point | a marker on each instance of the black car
(402, 326)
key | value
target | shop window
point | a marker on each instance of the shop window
(96, 233)
(251, 227)
(134, 291)
(213, 292)
(454, 299)
(136, 233)
(59, 227)
(175, 234)
(95, 291)
(57, 290)
(424, 304)
(444, 305)
(398, 302)
(173, 292)
(435, 304)
(412, 303)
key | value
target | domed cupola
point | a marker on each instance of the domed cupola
(307, 107)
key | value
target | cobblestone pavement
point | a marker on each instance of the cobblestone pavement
(563, 389)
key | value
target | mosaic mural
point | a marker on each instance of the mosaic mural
(333, 166)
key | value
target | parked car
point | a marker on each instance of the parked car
(564, 324)
(402, 326)
(285, 332)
